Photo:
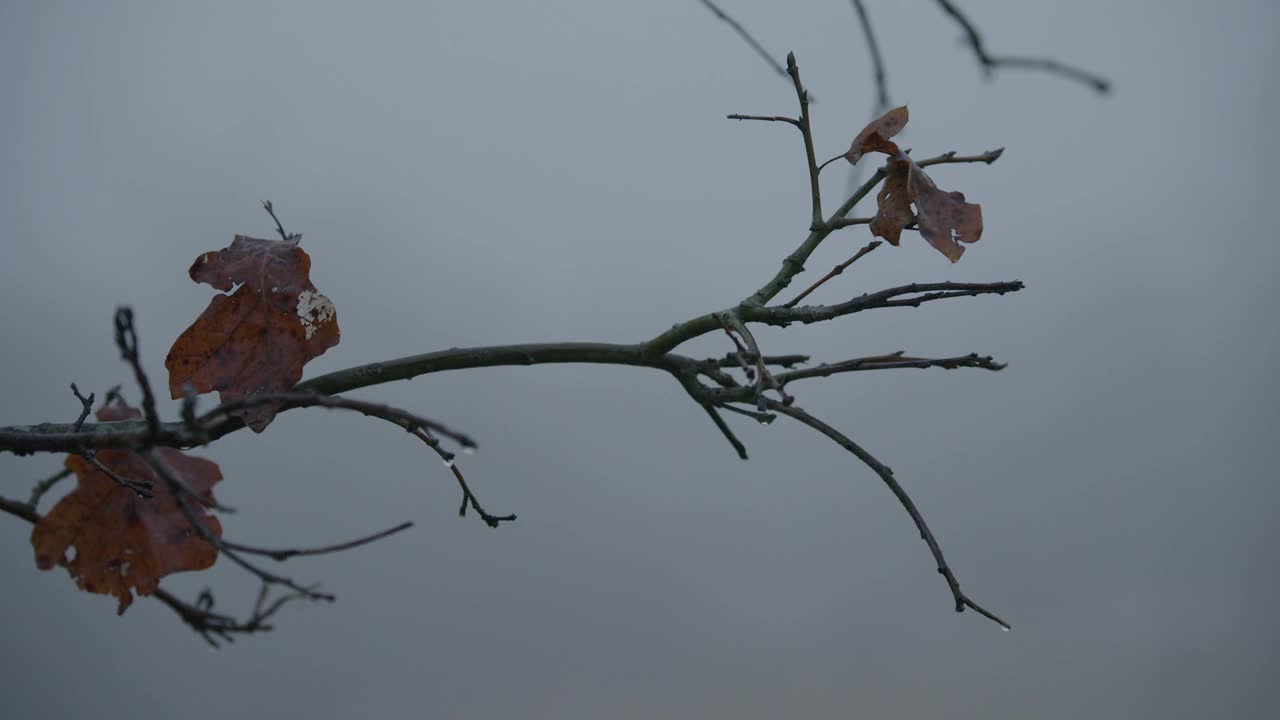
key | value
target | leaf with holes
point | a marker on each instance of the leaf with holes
(945, 219)
(256, 338)
(875, 136)
(119, 542)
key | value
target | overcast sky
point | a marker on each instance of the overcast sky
(469, 173)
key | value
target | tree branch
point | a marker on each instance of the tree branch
(282, 555)
(886, 475)
(746, 36)
(877, 63)
(916, 294)
(180, 492)
(990, 63)
(802, 96)
(834, 272)
(892, 361)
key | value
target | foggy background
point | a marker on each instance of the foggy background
(469, 173)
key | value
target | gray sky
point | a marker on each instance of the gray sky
(483, 173)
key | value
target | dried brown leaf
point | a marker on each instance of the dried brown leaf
(893, 203)
(257, 338)
(944, 218)
(875, 136)
(121, 542)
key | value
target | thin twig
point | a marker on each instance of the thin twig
(689, 381)
(742, 32)
(990, 63)
(886, 475)
(765, 118)
(86, 406)
(912, 295)
(725, 430)
(45, 485)
(850, 222)
(418, 426)
(802, 96)
(741, 353)
(180, 497)
(793, 264)
(762, 418)
(764, 378)
(834, 272)
(295, 237)
(212, 626)
(893, 361)
(282, 555)
(397, 416)
(141, 488)
(877, 63)
(468, 497)
(127, 343)
(19, 509)
(731, 360)
(987, 157)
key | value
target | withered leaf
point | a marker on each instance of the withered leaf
(121, 542)
(256, 338)
(875, 136)
(944, 217)
(893, 203)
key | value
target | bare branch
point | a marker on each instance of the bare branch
(987, 157)
(912, 295)
(877, 63)
(731, 360)
(127, 342)
(725, 430)
(180, 493)
(394, 415)
(763, 378)
(469, 498)
(141, 488)
(793, 264)
(762, 418)
(19, 509)
(282, 555)
(295, 237)
(886, 475)
(802, 96)
(765, 118)
(47, 484)
(834, 272)
(893, 361)
(214, 627)
(990, 63)
(86, 406)
(750, 40)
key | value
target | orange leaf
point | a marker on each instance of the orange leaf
(120, 541)
(875, 136)
(256, 338)
(944, 217)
